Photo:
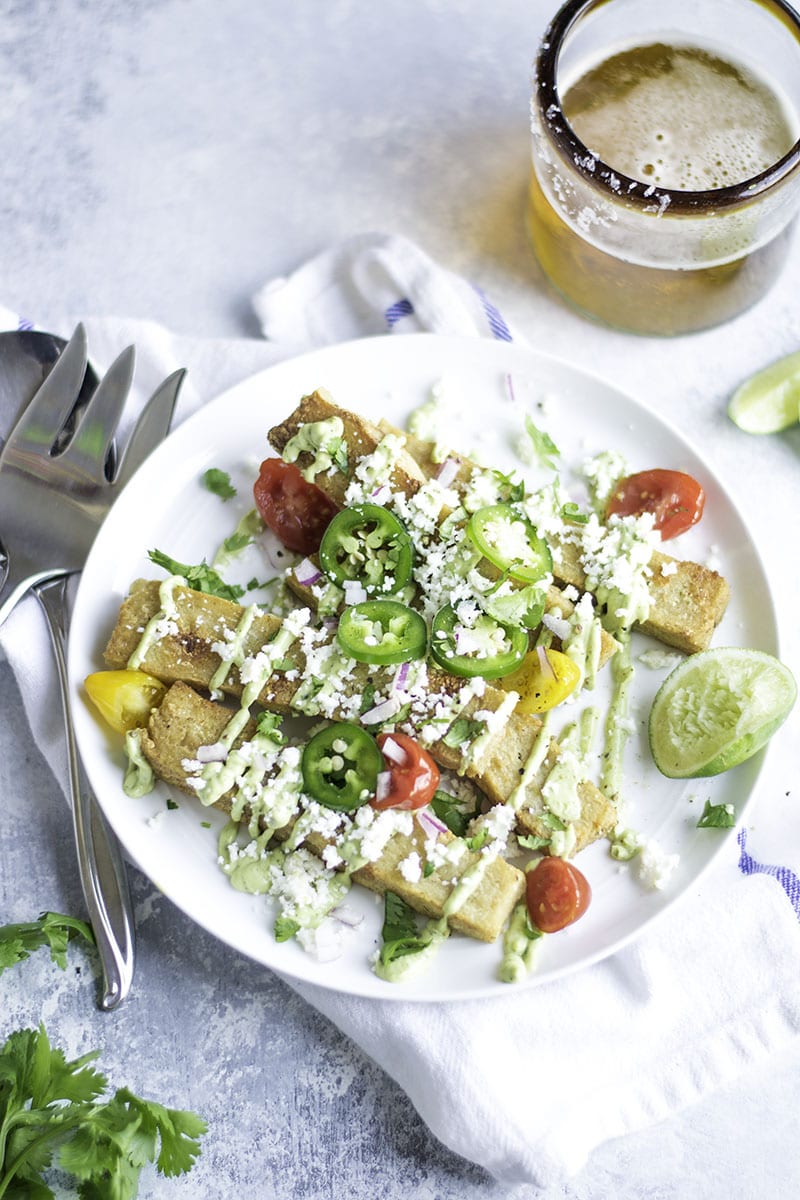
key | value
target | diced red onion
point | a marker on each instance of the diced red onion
(307, 573)
(402, 675)
(383, 785)
(381, 494)
(447, 472)
(382, 712)
(429, 822)
(216, 752)
(544, 663)
(510, 389)
(394, 752)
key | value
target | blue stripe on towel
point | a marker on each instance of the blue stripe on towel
(496, 323)
(394, 313)
(785, 877)
(24, 324)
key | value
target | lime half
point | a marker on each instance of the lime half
(716, 709)
(770, 400)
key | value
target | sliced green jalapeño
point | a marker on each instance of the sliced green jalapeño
(367, 544)
(477, 646)
(340, 766)
(382, 632)
(510, 542)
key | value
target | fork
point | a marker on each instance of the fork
(59, 474)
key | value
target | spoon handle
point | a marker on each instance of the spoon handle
(101, 866)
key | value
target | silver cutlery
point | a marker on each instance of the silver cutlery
(60, 471)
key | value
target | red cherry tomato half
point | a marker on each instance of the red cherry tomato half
(675, 499)
(413, 775)
(557, 894)
(296, 511)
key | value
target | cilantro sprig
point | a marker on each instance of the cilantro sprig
(56, 930)
(202, 578)
(400, 935)
(50, 1108)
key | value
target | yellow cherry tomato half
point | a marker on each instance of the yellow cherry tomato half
(543, 680)
(124, 698)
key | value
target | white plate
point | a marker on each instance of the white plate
(165, 506)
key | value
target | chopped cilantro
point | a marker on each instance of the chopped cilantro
(400, 934)
(172, 804)
(543, 445)
(479, 840)
(571, 512)
(529, 841)
(219, 482)
(462, 730)
(447, 809)
(285, 928)
(205, 824)
(428, 869)
(717, 816)
(511, 490)
(202, 578)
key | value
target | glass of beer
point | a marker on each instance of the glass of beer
(666, 159)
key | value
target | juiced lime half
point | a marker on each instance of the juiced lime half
(716, 709)
(770, 400)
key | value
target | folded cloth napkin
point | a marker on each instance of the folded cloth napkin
(526, 1084)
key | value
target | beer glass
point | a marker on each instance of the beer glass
(666, 159)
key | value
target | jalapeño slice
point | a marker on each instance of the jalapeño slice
(340, 766)
(368, 544)
(510, 542)
(477, 646)
(382, 632)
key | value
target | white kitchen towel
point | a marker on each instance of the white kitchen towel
(529, 1083)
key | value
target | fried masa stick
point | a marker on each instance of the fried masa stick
(687, 600)
(185, 653)
(184, 721)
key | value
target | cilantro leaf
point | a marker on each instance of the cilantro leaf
(202, 578)
(17, 942)
(48, 1103)
(448, 809)
(399, 933)
(219, 482)
(543, 445)
(717, 816)
(462, 730)
(285, 928)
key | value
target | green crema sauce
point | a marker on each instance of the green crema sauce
(520, 946)
(139, 778)
(617, 727)
(323, 441)
(168, 611)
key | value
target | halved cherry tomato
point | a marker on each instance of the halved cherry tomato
(675, 499)
(296, 511)
(124, 698)
(414, 776)
(557, 894)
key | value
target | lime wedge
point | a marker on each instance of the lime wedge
(770, 400)
(716, 709)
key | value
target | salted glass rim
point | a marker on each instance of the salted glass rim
(615, 183)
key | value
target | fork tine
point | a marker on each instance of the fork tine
(97, 424)
(45, 415)
(151, 426)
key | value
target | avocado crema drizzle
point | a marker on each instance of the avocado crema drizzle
(273, 804)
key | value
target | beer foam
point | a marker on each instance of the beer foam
(679, 117)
